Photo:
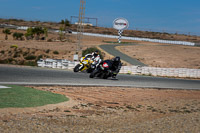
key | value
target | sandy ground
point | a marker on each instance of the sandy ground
(164, 55)
(32, 47)
(113, 109)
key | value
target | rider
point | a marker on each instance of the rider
(116, 66)
(95, 57)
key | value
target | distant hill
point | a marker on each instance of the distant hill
(103, 30)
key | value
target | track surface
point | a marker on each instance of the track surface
(111, 50)
(41, 76)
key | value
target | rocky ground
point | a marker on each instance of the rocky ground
(113, 109)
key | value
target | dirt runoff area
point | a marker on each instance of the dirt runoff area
(164, 55)
(113, 109)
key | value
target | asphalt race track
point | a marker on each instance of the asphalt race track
(43, 76)
(111, 50)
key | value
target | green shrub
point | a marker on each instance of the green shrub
(18, 36)
(13, 46)
(40, 56)
(65, 22)
(10, 60)
(2, 51)
(29, 33)
(48, 50)
(90, 50)
(16, 55)
(30, 63)
(25, 53)
(4, 61)
(55, 52)
(6, 32)
(30, 57)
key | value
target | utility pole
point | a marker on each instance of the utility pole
(80, 27)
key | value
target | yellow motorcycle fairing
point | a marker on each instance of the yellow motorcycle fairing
(85, 63)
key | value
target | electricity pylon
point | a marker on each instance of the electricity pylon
(80, 27)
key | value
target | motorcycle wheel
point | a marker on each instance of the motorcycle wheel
(104, 76)
(76, 68)
(93, 74)
(90, 70)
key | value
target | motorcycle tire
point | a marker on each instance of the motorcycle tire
(76, 68)
(104, 76)
(90, 70)
(93, 74)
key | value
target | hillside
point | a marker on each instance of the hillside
(27, 52)
(103, 30)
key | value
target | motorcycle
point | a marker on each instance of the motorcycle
(85, 64)
(103, 70)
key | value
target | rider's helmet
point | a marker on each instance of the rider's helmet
(96, 53)
(116, 59)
